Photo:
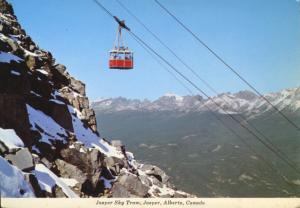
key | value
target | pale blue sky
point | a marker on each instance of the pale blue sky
(260, 38)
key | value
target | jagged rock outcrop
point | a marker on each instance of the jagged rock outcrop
(48, 132)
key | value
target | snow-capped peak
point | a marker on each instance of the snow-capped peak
(101, 99)
(173, 95)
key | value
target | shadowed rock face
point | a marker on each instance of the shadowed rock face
(14, 115)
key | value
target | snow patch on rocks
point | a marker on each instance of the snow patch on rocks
(10, 138)
(12, 181)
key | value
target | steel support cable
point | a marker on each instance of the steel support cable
(162, 43)
(164, 67)
(270, 165)
(226, 64)
(202, 92)
(200, 78)
(226, 112)
(101, 6)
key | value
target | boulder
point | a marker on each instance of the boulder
(22, 159)
(88, 162)
(133, 184)
(86, 168)
(119, 191)
(67, 170)
(156, 172)
(114, 164)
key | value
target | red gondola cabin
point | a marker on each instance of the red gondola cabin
(121, 58)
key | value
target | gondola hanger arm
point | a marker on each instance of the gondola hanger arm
(121, 23)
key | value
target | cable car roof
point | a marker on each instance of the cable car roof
(120, 51)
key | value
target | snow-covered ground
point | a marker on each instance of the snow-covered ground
(89, 138)
(47, 179)
(12, 181)
(51, 129)
(71, 182)
(10, 138)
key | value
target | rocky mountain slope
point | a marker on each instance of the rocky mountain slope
(49, 144)
(243, 102)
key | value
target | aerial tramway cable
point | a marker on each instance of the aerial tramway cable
(228, 66)
(270, 165)
(202, 92)
(165, 68)
(200, 78)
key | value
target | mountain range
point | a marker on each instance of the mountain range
(243, 102)
(180, 134)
